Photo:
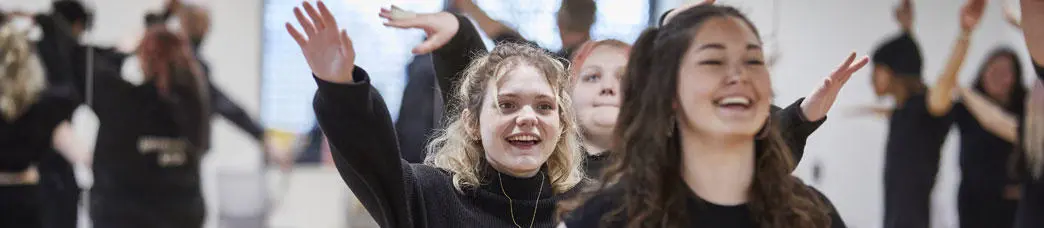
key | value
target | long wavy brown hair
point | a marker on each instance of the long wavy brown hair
(646, 160)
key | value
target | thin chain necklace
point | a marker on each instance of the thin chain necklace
(511, 205)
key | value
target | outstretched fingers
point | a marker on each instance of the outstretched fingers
(328, 18)
(301, 41)
(346, 44)
(305, 23)
(317, 19)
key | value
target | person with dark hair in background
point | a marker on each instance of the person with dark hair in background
(33, 123)
(194, 23)
(696, 147)
(150, 137)
(574, 19)
(986, 117)
(58, 181)
(921, 119)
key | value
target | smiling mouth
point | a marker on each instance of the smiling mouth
(524, 141)
(734, 102)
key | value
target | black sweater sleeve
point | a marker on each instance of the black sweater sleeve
(453, 58)
(365, 152)
(795, 127)
(231, 111)
(62, 55)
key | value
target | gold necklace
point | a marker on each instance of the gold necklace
(511, 205)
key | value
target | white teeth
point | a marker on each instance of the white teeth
(523, 138)
(734, 101)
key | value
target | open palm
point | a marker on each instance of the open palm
(971, 14)
(329, 52)
(816, 106)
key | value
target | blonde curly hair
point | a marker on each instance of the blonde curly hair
(458, 148)
(21, 74)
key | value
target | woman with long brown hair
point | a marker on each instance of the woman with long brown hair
(693, 144)
(1031, 140)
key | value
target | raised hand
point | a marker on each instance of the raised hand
(440, 27)
(329, 52)
(904, 14)
(971, 14)
(816, 106)
(1010, 16)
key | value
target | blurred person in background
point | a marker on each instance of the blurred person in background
(921, 120)
(33, 124)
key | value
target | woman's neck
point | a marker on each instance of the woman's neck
(718, 170)
(596, 144)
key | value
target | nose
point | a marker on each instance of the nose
(527, 117)
(737, 73)
(610, 87)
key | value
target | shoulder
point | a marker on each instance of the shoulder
(835, 217)
(593, 209)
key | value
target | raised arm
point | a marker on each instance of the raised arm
(940, 96)
(355, 119)
(493, 28)
(992, 117)
(1033, 29)
(452, 41)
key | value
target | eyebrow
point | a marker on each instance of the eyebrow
(751, 46)
(513, 95)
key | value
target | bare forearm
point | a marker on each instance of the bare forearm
(67, 144)
(492, 28)
(940, 98)
(1033, 28)
(992, 117)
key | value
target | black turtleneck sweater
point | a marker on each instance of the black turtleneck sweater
(398, 194)
(451, 60)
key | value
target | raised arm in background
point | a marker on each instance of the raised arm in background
(992, 117)
(1033, 29)
(940, 96)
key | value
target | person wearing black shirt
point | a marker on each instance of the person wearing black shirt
(987, 196)
(508, 156)
(919, 123)
(421, 110)
(574, 18)
(798, 120)
(697, 147)
(32, 122)
(150, 137)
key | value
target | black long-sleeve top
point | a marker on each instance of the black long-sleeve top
(26, 139)
(399, 194)
(451, 60)
(700, 213)
(138, 150)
